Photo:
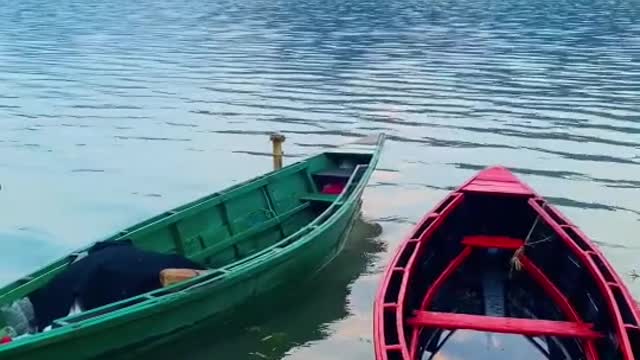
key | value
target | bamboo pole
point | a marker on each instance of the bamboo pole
(277, 140)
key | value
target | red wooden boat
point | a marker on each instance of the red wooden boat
(495, 257)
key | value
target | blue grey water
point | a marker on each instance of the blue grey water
(112, 111)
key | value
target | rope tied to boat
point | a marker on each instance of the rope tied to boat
(515, 259)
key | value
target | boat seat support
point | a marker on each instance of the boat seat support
(506, 325)
(496, 242)
(319, 197)
(344, 174)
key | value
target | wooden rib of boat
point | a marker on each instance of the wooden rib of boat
(495, 257)
(278, 228)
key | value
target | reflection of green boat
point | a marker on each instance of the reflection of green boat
(257, 235)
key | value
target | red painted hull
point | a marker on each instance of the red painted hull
(547, 279)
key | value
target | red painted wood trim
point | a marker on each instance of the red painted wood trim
(433, 291)
(603, 260)
(497, 242)
(549, 288)
(440, 217)
(444, 276)
(381, 348)
(558, 298)
(498, 174)
(529, 327)
(601, 282)
(497, 188)
(424, 239)
(497, 180)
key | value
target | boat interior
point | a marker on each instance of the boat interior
(505, 265)
(229, 228)
(243, 220)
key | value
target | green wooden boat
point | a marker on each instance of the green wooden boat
(272, 230)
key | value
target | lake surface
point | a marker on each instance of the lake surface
(112, 111)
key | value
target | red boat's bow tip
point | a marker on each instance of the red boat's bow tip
(496, 170)
(500, 173)
(497, 180)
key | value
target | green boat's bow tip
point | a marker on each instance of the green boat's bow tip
(371, 140)
(369, 144)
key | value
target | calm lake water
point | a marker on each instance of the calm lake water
(112, 111)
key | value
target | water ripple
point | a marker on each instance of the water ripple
(547, 88)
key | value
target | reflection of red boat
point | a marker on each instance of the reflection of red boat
(495, 257)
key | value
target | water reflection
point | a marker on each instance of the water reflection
(467, 344)
(115, 111)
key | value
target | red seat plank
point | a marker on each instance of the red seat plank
(530, 327)
(498, 242)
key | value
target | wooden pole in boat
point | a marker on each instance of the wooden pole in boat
(277, 140)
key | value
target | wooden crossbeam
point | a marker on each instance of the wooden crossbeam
(497, 242)
(529, 327)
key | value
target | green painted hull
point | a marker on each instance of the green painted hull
(273, 230)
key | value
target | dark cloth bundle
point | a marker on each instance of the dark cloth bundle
(112, 271)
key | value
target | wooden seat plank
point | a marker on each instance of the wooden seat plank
(497, 242)
(328, 198)
(507, 325)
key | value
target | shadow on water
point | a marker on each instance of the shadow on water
(286, 318)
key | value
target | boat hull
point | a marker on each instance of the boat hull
(495, 257)
(204, 305)
(275, 230)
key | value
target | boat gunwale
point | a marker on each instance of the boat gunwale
(448, 205)
(379, 301)
(380, 306)
(200, 284)
(165, 218)
(602, 283)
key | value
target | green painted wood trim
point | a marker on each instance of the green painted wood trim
(177, 238)
(210, 201)
(328, 198)
(199, 256)
(307, 238)
(312, 184)
(267, 196)
(344, 201)
(225, 219)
